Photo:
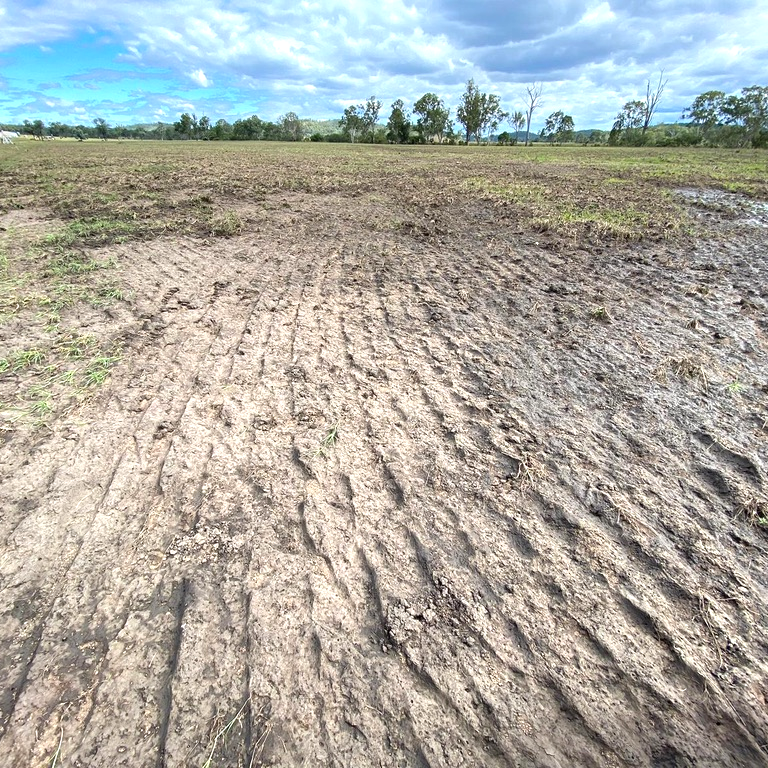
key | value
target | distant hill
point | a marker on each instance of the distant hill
(323, 127)
(588, 132)
(579, 137)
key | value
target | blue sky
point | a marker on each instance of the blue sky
(132, 61)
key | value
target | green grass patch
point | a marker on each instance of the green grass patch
(68, 262)
(41, 402)
(76, 347)
(21, 359)
(328, 442)
(226, 224)
(120, 191)
(98, 231)
(98, 368)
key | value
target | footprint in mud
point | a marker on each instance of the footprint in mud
(714, 478)
(742, 464)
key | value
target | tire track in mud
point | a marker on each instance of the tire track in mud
(256, 410)
(212, 605)
(203, 599)
(169, 427)
(459, 418)
(399, 502)
(649, 582)
(432, 380)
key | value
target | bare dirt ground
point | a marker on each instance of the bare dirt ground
(439, 493)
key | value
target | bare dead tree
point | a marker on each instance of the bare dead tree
(652, 99)
(533, 100)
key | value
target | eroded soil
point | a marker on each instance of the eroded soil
(415, 494)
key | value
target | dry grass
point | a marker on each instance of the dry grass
(755, 511)
(581, 194)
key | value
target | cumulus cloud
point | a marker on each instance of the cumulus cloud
(313, 55)
(198, 76)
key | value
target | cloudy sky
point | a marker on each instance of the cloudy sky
(134, 61)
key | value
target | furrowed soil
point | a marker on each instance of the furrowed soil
(354, 474)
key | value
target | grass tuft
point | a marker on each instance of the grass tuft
(222, 734)
(22, 359)
(75, 347)
(755, 512)
(226, 224)
(75, 263)
(96, 231)
(97, 370)
(328, 442)
(55, 758)
(602, 314)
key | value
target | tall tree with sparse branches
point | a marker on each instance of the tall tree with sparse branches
(558, 127)
(371, 116)
(469, 111)
(291, 127)
(652, 98)
(532, 102)
(479, 112)
(517, 120)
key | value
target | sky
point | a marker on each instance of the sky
(136, 61)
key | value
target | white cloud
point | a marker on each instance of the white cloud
(598, 14)
(319, 54)
(198, 76)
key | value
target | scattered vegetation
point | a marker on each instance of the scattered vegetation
(684, 368)
(602, 314)
(688, 368)
(583, 193)
(529, 467)
(68, 262)
(61, 377)
(57, 753)
(44, 279)
(115, 193)
(21, 359)
(328, 442)
(226, 224)
(97, 370)
(96, 231)
(221, 734)
(755, 512)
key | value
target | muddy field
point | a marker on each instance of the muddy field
(342, 480)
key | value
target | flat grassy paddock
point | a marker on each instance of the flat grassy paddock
(122, 190)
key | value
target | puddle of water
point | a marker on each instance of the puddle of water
(745, 210)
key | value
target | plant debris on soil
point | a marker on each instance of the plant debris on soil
(379, 456)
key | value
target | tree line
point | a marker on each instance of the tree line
(478, 114)
(714, 119)
(429, 121)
